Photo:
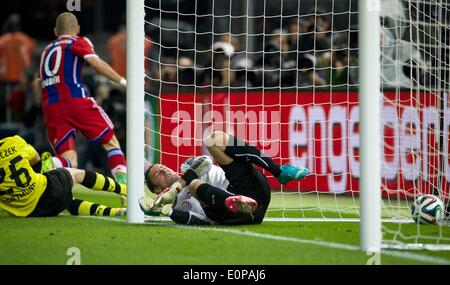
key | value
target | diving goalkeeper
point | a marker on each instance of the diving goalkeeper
(234, 193)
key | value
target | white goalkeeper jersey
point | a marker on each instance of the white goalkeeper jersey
(186, 202)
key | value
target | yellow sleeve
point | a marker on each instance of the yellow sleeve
(28, 151)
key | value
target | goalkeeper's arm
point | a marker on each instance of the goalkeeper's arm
(195, 168)
(198, 167)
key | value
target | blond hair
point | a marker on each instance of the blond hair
(66, 23)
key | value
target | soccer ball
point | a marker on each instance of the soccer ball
(427, 209)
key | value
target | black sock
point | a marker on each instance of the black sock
(241, 150)
(186, 218)
(212, 196)
(86, 208)
(100, 182)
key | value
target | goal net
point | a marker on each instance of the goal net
(283, 75)
(415, 115)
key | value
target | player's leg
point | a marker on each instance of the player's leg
(116, 162)
(61, 134)
(96, 181)
(116, 159)
(50, 162)
(217, 201)
(244, 179)
(217, 142)
(85, 208)
(57, 195)
(97, 127)
(63, 142)
(225, 148)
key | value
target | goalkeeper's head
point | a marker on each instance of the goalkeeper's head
(159, 177)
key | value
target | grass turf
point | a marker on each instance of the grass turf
(112, 241)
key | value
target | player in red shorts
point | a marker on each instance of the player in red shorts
(66, 105)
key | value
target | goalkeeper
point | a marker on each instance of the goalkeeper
(234, 193)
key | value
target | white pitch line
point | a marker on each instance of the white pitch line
(299, 220)
(399, 254)
(342, 246)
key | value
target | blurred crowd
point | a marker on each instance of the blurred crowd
(306, 52)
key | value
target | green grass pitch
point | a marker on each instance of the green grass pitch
(113, 241)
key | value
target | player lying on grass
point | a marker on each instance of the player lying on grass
(24, 192)
(235, 192)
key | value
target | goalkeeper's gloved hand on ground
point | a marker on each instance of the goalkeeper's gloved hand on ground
(166, 210)
(147, 205)
(167, 196)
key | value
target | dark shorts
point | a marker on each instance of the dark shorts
(57, 196)
(244, 180)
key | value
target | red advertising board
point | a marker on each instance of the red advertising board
(317, 130)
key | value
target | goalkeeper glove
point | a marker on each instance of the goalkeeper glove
(168, 196)
(147, 206)
(166, 210)
(201, 165)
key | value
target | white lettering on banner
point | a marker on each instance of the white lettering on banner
(256, 127)
(238, 121)
(215, 122)
(410, 143)
(239, 117)
(390, 162)
(297, 136)
(73, 5)
(353, 143)
(337, 162)
(430, 127)
(316, 115)
(324, 137)
(270, 140)
(182, 133)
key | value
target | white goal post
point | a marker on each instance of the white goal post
(135, 108)
(370, 141)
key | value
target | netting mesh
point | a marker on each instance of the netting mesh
(415, 76)
(283, 75)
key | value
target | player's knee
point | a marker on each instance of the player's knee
(111, 144)
(71, 156)
(77, 174)
(216, 139)
(193, 186)
(74, 163)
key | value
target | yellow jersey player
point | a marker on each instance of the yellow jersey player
(25, 192)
